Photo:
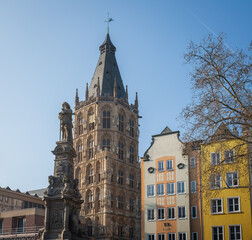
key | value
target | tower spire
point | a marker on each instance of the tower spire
(86, 91)
(136, 101)
(76, 97)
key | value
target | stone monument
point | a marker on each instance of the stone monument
(62, 198)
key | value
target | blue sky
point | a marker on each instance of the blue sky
(50, 48)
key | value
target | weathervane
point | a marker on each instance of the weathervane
(109, 19)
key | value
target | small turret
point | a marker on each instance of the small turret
(136, 101)
(115, 89)
(76, 97)
(126, 94)
(86, 91)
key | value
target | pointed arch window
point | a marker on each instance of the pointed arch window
(132, 154)
(106, 119)
(80, 150)
(90, 148)
(131, 204)
(90, 176)
(80, 124)
(91, 119)
(106, 143)
(90, 201)
(120, 150)
(120, 177)
(131, 180)
(131, 130)
(121, 122)
(120, 202)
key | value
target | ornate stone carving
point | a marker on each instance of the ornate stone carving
(66, 125)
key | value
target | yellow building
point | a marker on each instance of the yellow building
(225, 188)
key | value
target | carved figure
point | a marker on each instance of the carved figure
(66, 125)
(49, 190)
(57, 221)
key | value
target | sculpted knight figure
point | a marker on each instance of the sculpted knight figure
(66, 125)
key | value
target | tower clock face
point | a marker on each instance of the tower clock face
(150, 169)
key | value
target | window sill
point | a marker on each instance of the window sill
(151, 196)
(161, 219)
(171, 194)
(182, 218)
(217, 213)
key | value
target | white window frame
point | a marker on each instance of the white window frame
(213, 184)
(195, 189)
(196, 235)
(216, 199)
(161, 234)
(153, 214)
(235, 225)
(184, 233)
(221, 226)
(185, 212)
(152, 235)
(192, 162)
(239, 203)
(153, 188)
(160, 219)
(168, 188)
(161, 166)
(171, 234)
(183, 183)
(174, 210)
(158, 192)
(167, 165)
(215, 158)
(232, 179)
(195, 211)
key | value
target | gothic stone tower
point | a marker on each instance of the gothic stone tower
(106, 141)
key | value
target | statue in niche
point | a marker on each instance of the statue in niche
(66, 125)
(49, 190)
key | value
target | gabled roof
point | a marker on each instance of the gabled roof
(107, 72)
(222, 132)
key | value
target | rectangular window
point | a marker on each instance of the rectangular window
(151, 237)
(150, 214)
(218, 233)
(150, 191)
(90, 231)
(161, 166)
(215, 181)
(193, 186)
(1, 226)
(160, 189)
(181, 236)
(171, 213)
(171, 236)
(194, 212)
(169, 165)
(235, 232)
(216, 206)
(161, 236)
(21, 224)
(170, 188)
(233, 204)
(194, 236)
(161, 213)
(181, 212)
(215, 158)
(232, 179)
(229, 156)
(192, 162)
(181, 187)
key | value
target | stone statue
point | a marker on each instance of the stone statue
(66, 125)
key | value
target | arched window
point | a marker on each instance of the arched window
(90, 201)
(90, 176)
(120, 201)
(106, 119)
(120, 150)
(131, 204)
(90, 148)
(132, 154)
(131, 130)
(80, 124)
(120, 177)
(91, 119)
(121, 122)
(79, 151)
(106, 143)
(98, 200)
(98, 174)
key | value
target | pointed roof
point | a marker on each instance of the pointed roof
(166, 130)
(107, 71)
(222, 132)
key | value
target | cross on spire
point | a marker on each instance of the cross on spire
(109, 19)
